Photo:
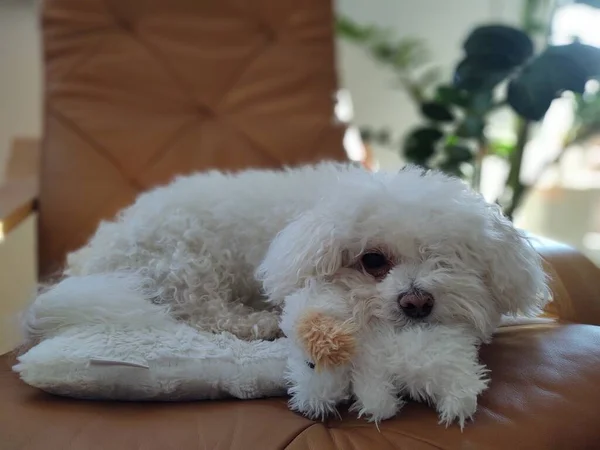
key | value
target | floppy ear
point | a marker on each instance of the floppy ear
(515, 274)
(308, 247)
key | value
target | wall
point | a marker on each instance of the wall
(20, 72)
(20, 111)
(443, 25)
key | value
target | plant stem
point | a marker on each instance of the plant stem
(480, 155)
(513, 181)
(529, 22)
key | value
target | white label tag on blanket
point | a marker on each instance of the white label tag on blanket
(116, 362)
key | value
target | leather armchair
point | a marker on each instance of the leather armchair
(140, 90)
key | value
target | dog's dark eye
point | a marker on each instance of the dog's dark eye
(375, 264)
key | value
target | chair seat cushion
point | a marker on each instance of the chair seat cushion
(543, 395)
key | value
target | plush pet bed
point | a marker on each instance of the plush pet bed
(143, 353)
(171, 363)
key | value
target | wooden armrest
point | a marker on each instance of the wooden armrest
(575, 282)
(17, 201)
(20, 187)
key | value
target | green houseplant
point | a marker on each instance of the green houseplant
(499, 69)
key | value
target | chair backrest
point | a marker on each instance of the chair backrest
(139, 91)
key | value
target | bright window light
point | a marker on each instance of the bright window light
(569, 22)
(591, 241)
(344, 109)
(576, 21)
(354, 145)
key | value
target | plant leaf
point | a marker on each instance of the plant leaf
(529, 99)
(481, 102)
(372, 136)
(437, 112)
(484, 72)
(349, 29)
(367, 134)
(410, 53)
(471, 127)
(420, 144)
(383, 136)
(509, 46)
(450, 95)
(556, 70)
(451, 168)
(451, 140)
(458, 153)
(383, 52)
(418, 154)
(430, 134)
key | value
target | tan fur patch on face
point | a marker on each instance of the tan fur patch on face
(329, 341)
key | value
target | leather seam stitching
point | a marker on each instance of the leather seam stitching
(304, 430)
(68, 123)
(159, 154)
(401, 433)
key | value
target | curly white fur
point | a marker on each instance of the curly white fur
(221, 252)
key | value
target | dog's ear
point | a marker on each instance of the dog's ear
(308, 247)
(515, 275)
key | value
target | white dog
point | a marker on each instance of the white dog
(427, 362)
(395, 251)
(424, 267)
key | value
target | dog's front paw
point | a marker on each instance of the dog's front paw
(454, 409)
(377, 409)
(314, 407)
(458, 402)
(315, 394)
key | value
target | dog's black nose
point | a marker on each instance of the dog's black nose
(416, 304)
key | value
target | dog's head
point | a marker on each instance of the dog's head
(411, 247)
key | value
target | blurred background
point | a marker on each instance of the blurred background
(501, 93)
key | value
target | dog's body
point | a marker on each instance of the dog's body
(390, 251)
(198, 242)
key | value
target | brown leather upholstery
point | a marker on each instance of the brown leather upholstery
(138, 91)
(575, 283)
(544, 395)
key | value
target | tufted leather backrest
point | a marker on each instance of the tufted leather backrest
(139, 91)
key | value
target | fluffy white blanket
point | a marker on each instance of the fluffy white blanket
(130, 349)
(171, 363)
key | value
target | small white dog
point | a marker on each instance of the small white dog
(427, 362)
(424, 268)
(402, 251)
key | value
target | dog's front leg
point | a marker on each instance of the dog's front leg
(374, 388)
(314, 392)
(441, 364)
(321, 345)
